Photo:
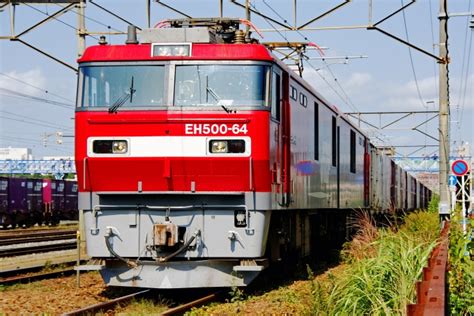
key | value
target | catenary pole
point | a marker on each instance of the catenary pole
(444, 204)
(81, 47)
(81, 28)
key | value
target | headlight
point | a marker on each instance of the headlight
(227, 146)
(110, 146)
(119, 147)
(219, 146)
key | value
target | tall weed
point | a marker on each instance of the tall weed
(461, 272)
(384, 266)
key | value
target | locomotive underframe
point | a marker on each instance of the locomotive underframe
(222, 254)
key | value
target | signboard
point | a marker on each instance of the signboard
(459, 167)
(452, 180)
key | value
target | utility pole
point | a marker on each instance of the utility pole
(81, 47)
(444, 204)
(81, 28)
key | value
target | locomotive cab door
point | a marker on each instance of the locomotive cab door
(280, 138)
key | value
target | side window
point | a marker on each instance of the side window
(316, 131)
(303, 100)
(276, 96)
(353, 152)
(294, 93)
(334, 142)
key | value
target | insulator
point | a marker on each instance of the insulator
(239, 37)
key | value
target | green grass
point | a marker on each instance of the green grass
(461, 272)
(383, 267)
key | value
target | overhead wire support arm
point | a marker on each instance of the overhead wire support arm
(405, 114)
(440, 60)
(374, 27)
(50, 17)
(45, 54)
(323, 14)
(395, 12)
(287, 27)
(113, 14)
(16, 37)
(173, 9)
(396, 120)
(362, 121)
(426, 134)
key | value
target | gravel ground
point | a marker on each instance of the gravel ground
(55, 296)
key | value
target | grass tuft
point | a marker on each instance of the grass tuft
(384, 266)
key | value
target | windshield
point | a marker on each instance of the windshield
(107, 86)
(225, 85)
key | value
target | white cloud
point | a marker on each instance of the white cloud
(358, 80)
(31, 82)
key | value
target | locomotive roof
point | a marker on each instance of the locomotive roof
(206, 51)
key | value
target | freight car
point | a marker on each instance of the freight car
(26, 202)
(202, 158)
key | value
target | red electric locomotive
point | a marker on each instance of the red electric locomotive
(201, 158)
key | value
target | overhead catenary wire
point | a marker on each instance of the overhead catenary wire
(36, 87)
(32, 97)
(27, 122)
(55, 18)
(463, 84)
(433, 45)
(35, 143)
(64, 127)
(93, 20)
(346, 99)
(411, 58)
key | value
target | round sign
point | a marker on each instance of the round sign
(459, 167)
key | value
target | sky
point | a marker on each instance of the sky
(37, 94)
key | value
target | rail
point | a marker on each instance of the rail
(16, 244)
(179, 310)
(93, 309)
(431, 291)
(6, 240)
(35, 277)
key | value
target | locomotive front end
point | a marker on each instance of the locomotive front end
(173, 161)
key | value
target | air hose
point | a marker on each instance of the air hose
(182, 248)
(108, 236)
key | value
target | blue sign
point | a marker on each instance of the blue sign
(452, 180)
(459, 167)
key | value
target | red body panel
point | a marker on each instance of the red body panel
(142, 52)
(210, 174)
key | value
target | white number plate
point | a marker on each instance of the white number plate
(215, 129)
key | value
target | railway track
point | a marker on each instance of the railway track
(35, 277)
(23, 243)
(37, 236)
(112, 304)
(179, 310)
(105, 306)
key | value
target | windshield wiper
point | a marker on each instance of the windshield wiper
(217, 98)
(124, 98)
